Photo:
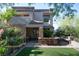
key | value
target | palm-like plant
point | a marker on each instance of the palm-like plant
(7, 15)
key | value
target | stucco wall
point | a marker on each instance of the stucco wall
(38, 16)
(30, 14)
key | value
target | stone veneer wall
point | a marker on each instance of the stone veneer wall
(48, 41)
(40, 33)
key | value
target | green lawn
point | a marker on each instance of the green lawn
(48, 52)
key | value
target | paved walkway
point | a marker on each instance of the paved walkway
(73, 44)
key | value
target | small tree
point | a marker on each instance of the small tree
(70, 26)
(7, 15)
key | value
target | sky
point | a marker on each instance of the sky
(45, 6)
(37, 5)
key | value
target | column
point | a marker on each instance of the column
(40, 32)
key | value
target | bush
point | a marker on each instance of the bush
(3, 50)
(59, 32)
(47, 32)
(15, 40)
(12, 36)
(65, 31)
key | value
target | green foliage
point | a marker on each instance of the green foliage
(3, 25)
(70, 26)
(59, 32)
(2, 5)
(61, 8)
(13, 36)
(65, 8)
(7, 15)
(3, 50)
(46, 20)
(66, 22)
(65, 31)
(47, 32)
(15, 40)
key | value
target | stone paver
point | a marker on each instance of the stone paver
(75, 44)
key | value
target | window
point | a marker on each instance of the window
(26, 15)
(22, 14)
(46, 17)
(46, 14)
(18, 15)
(46, 20)
(21, 10)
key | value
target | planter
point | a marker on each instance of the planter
(16, 46)
(13, 49)
(48, 41)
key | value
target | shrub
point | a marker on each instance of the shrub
(59, 32)
(65, 31)
(12, 36)
(3, 50)
(47, 32)
(15, 40)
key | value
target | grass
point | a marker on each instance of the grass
(48, 52)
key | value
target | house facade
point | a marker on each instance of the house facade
(32, 21)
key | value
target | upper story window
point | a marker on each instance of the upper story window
(46, 17)
(20, 10)
(28, 10)
(46, 20)
(46, 14)
(18, 15)
(22, 14)
(26, 14)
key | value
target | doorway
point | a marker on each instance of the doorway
(32, 34)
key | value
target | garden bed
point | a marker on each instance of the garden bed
(16, 46)
(8, 50)
(53, 41)
(48, 41)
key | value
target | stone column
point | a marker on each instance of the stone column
(25, 34)
(40, 34)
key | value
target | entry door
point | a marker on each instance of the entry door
(32, 34)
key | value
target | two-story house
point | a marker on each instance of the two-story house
(32, 21)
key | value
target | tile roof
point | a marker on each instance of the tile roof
(20, 20)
